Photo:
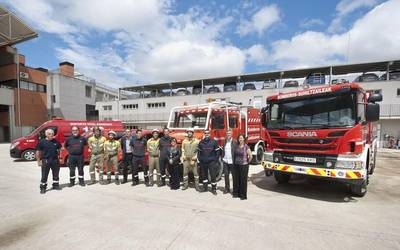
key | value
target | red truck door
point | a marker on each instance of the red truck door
(218, 126)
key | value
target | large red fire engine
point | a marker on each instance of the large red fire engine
(323, 132)
(219, 117)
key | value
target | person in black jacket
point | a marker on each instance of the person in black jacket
(165, 144)
(228, 157)
(173, 156)
(138, 144)
(126, 153)
(47, 154)
(208, 155)
(75, 145)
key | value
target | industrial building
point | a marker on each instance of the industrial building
(73, 96)
(153, 102)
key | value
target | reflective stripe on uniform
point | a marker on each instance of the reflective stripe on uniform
(80, 176)
(92, 172)
(163, 176)
(55, 181)
(73, 177)
(136, 176)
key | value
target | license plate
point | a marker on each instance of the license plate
(305, 159)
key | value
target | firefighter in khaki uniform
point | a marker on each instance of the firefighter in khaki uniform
(111, 149)
(96, 147)
(153, 147)
(189, 159)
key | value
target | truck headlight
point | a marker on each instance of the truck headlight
(14, 145)
(355, 165)
(268, 156)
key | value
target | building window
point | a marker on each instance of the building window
(153, 105)
(398, 92)
(88, 90)
(130, 106)
(32, 86)
(107, 107)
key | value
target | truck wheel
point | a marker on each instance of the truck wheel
(268, 172)
(281, 177)
(220, 170)
(359, 190)
(29, 155)
(259, 155)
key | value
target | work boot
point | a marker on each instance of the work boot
(56, 186)
(92, 181)
(146, 181)
(227, 190)
(43, 188)
(162, 181)
(124, 181)
(116, 181)
(108, 180)
(214, 189)
(184, 187)
(81, 182)
(205, 188)
(71, 183)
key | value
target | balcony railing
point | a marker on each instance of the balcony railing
(390, 110)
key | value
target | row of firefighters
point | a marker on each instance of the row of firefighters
(165, 156)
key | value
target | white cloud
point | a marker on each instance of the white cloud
(148, 43)
(364, 42)
(345, 8)
(257, 54)
(310, 23)
(261, 21)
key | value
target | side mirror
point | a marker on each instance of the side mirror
(375, 98)
(372, 112)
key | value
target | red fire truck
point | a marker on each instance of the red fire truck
(218, 117)
(323, 132)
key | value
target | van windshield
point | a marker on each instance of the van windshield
(34, 131)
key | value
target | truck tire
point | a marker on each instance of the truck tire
(268, 172)
(281, 177)
(359, 190)
(29, 155)
(220, 171)
(259, 155)
(121, 168)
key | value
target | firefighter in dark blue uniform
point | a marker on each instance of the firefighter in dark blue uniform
(138, 144)
(47, 153)
(75, 145)
(208, 155)
(165, 145)
(126, 153)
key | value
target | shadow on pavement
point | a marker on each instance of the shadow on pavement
(309, 188)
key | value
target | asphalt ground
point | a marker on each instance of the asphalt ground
(304, 214)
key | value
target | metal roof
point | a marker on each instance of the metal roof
(12, 29)
(295, 73)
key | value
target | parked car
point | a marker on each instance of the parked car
(291, 83)
(249, 86)
(213, 89)
(339, 81)
(367, 77)
(393, 75)
(182, 91)
(230, 86)
(269, 84)
(315, 79)
(157, 93)
(197, 90)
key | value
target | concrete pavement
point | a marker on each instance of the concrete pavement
(304, 214)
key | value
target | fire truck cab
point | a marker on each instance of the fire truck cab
(325, 132)
(219, 117)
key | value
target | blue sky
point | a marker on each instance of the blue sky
(128, 42)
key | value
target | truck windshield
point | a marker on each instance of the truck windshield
(190, 120)
(334, 110)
